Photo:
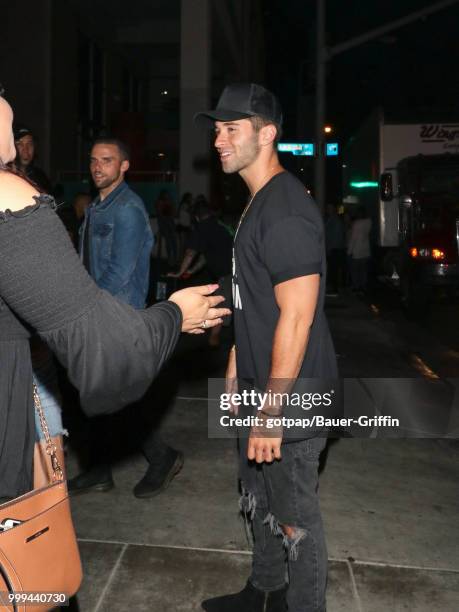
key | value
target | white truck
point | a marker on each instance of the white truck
(406, 175)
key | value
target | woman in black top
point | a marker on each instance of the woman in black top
(111, 351)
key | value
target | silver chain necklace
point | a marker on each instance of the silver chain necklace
(246, 209)
(244, 212)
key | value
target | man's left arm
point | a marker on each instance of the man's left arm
(292, 252)
(128, 231)
(297, 300)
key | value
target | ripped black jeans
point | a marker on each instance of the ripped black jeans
(284, 493)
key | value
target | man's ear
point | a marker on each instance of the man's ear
(268, 134)
(125, 165)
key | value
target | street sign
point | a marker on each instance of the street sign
(297, 148)
(332, 149)
(307, 149)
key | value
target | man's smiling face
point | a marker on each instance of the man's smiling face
(237, 144)
(107, 165)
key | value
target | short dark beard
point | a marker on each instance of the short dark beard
(249, 155)
(107, 182)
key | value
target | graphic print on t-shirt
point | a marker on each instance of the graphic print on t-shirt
(237, 302)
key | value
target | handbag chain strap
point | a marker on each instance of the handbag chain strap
(51, 450)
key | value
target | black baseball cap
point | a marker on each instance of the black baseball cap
(240, 101)
(20, 131)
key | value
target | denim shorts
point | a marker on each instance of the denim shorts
(45, 377)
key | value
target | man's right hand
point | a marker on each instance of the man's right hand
(231, 377)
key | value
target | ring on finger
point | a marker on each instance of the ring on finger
(204, 324)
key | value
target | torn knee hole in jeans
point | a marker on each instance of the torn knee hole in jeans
(292, 540)
(248, 507)
(248, 504)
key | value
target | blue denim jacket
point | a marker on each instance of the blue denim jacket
(120, 243)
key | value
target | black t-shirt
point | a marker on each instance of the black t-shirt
(280, 238)
(215, 242)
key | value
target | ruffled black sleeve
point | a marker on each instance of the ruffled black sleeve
(111, 351)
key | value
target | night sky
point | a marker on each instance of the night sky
(412, 72)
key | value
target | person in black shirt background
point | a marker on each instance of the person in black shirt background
(213, 240)
(25, 147)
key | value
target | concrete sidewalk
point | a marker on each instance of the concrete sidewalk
(390, 506)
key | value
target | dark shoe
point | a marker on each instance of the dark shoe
(98, 478)
(249, 599)
(159, 474)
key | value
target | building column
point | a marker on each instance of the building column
(195, 76)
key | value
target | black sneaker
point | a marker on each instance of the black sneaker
(99, 478)
(159, 474)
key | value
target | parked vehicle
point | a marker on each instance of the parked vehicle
(407, 177)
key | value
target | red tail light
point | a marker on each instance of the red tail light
(438, 254)
(424, 253)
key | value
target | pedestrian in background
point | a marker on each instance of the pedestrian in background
(214, 241)
(335, 242)
(115, 247)
(165, 214)
(25, 159)
(184, 221)
(358, 250)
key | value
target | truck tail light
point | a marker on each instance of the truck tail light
(438, 254)
(424, 253)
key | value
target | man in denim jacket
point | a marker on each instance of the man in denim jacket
(116, 239)
(115, 247)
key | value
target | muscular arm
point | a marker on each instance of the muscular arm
(297, 300)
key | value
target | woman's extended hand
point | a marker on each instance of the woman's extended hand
(198, 308)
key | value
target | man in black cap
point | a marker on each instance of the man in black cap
(281, 337)
(25, 147)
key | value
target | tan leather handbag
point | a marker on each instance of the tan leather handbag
(39, 558)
